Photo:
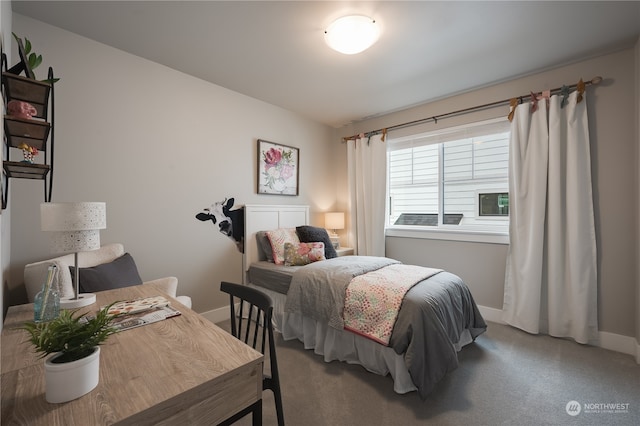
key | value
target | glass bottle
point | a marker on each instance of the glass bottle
(46, 305)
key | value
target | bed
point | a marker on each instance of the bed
(436, 318)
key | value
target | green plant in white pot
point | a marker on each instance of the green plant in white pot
(75, 341)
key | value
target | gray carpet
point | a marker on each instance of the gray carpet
(507, 377)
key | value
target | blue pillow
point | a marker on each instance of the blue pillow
(313, 234)
(121, 272)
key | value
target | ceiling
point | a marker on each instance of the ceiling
(275, 51)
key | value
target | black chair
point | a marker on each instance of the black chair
(254, 330)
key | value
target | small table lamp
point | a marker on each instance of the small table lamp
(74, 227)
(334, 221)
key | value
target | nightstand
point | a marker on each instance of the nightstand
(344, 251)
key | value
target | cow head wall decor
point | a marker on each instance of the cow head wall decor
(230, 222)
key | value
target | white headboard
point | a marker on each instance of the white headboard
(261, 217)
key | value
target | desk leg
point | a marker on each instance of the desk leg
(257, 413)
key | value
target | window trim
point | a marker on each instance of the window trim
(446, 233)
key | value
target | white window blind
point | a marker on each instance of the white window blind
(435, 179)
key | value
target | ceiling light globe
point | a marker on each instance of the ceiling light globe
(352, 34)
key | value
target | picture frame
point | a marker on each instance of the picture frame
(278, 168)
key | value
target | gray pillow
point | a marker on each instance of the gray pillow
(264, 246)
(121, 272)
(313, 234)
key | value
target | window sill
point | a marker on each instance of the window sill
(449, 234)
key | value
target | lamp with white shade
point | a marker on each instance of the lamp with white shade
(334, 221)
(74, 227)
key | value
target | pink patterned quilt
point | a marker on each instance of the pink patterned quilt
(373, 299)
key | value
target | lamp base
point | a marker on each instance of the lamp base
(84, 299)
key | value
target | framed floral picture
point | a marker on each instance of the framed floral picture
(278, 168)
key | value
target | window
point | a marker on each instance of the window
(454, 179)
(494, 204)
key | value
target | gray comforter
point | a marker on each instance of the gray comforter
(432, 317)
(318, 290)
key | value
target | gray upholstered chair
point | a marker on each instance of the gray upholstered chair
(36, 273)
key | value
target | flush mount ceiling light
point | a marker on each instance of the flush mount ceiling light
(352, 34)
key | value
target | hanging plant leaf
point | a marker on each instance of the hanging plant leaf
(34, 60)
(17, 39)
(27, 46)
(31, 58)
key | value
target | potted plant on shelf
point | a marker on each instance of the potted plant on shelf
(74, 340)
(28, 60)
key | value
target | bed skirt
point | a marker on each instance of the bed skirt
(342, 345)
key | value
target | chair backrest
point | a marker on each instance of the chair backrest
(248, 324)
(35, 273)
(252, 325)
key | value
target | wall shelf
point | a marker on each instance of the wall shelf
(32, 132)
(28, 90)
(36, 132)
(20, 169)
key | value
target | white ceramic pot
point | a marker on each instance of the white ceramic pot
(70, 380)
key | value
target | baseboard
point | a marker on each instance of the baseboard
(611, 341)
(217, 315)
(619, 343)
(491, 314)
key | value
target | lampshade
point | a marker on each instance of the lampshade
(334, 220)
(73, 227)
(352, 34)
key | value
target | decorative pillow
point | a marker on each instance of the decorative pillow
(278, 238)
(310, 234)
(121, 272)
(264, 246)
(303, 253)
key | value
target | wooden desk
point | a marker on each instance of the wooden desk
(183, 370)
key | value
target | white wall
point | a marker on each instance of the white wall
(158, 146)
(613, 129)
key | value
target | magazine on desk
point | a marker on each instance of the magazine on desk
(135, 313)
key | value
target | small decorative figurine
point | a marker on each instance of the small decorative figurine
(28, 152)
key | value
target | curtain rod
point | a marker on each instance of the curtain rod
(595, 81)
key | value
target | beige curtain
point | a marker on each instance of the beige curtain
(367, 163)
(551, 276)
